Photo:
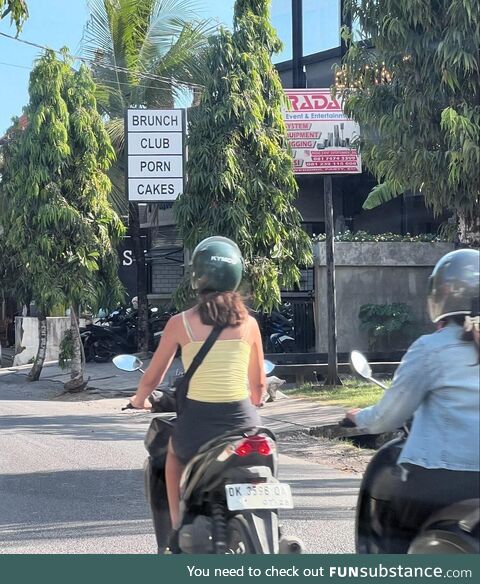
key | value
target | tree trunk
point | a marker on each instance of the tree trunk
(36, 370)
(469, 231)
(76, 382)
(139, 254)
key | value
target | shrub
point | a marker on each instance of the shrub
(365, 236)
(391, 324)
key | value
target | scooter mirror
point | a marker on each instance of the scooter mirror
(268, 367)
(360, 364)
(127, 362)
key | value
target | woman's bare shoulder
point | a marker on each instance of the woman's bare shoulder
(175, 321)
(252, 327)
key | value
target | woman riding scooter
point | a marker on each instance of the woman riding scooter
(218, 399)
(437, 382)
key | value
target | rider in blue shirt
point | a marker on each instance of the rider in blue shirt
(437, 383)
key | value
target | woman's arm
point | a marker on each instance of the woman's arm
(161, 361)
(411, 383)
(256, 372)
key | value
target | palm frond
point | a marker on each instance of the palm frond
(116, 131)
(164, 38)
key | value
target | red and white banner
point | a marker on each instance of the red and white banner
(320, 134)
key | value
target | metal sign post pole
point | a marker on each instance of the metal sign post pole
(332, 374)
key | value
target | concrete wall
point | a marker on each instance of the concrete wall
(373, 273)
(26, 337)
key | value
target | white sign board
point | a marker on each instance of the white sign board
(155, 154)
(320, 134)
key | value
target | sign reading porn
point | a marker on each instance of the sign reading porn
(320, 134)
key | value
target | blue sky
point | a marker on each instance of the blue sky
(55, 23)
(49, 24)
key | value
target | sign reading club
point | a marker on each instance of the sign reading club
(155, 154)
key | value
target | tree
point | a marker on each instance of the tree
(14, 277)
(14, 280)
(17, 9)
(240, 174)
(54, 197)
(415, 96)
(142, 52)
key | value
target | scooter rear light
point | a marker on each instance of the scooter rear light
(260, 444)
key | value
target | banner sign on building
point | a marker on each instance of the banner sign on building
(155, 150)
(320, 134)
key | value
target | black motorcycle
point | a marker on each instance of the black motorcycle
(452, 530)
(280, 333)
(230, 494)
(117, 333)
(111, 335)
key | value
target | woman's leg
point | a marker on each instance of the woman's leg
(173, 474)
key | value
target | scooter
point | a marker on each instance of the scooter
(452, 530)
(114, 334)
(230, 494)
(117, 333)
(281, 333)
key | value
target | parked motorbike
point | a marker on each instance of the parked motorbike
(281, 333)
(111, 335)
(230, 494)
(452, 530)
(117, 333)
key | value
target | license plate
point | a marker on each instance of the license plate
(260, 496)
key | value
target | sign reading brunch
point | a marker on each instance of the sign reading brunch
(155, 154)
(320, 134)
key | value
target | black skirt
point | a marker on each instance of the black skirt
(201, 422)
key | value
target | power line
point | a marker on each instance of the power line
(98, 84)
(115, 69)
(17, 66)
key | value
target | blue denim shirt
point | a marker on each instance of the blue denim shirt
(438, 380)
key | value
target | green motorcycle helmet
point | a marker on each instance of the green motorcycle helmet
(217, 265)
(454, 284)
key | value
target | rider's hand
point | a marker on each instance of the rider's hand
(350, 415)
(138, 404)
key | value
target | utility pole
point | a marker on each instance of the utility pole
(332, 373)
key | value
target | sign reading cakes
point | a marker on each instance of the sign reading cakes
(155, 154)
(320, 134)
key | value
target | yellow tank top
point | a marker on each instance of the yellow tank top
(223, 374)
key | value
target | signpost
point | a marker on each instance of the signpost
(155, 151)
(155, 157)
(321, 139)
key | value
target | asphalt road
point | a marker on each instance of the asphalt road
(71, 481)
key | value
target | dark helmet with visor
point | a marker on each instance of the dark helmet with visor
(217, 265)
(454, 284)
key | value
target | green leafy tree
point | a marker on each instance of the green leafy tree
(14, 277)
(240, 175)
(416, 98)
(54, 198)
(16, 9)
(140, 52)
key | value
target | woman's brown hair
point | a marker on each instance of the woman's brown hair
(222, 309)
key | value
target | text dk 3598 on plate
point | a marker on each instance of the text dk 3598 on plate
(259, 496)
